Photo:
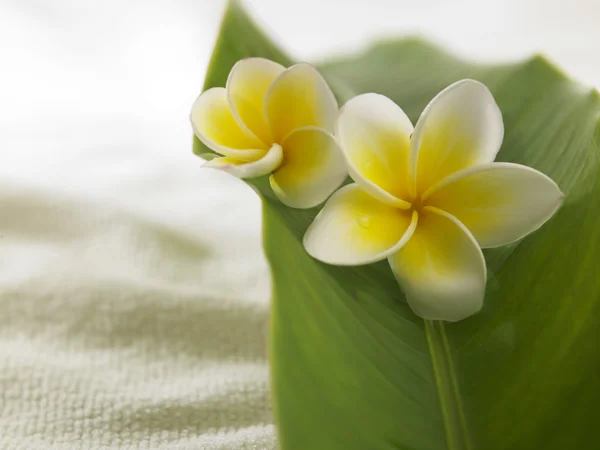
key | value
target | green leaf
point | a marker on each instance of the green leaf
(354, 369)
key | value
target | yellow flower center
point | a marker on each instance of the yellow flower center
(417, 204)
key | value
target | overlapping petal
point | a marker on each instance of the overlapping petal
(499, 203)
(374, 134)
(313, 167)
(214, 124)
(299, 97)
(245, 169)
(247, 86)
(441, 268)
(461, 127)
(354, 228)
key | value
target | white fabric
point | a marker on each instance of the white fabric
(133, 322)
(133, 289)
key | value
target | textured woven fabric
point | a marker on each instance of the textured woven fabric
(135, 319)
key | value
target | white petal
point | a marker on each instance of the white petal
(461, 127)
(244, 169)
(214, 124)
(354, 228)
(247, 86)
(374, 134)
(299, 97)
(441, 268)
(499, 203)
(313, 168)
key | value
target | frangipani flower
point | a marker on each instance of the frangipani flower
(269, 119)
(429, 199)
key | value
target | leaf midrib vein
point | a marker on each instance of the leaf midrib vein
(457, 436)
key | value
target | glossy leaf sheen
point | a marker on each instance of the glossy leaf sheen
(354, 369)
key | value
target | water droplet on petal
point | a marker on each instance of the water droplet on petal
(364, 221)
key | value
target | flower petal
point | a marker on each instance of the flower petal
(244, 169)
(214, 124)
(354, 228)
(313, 167)
(441, 268)
(299, 97)
(247, 86)
(461, 127)
(374, 134)
(499, 203)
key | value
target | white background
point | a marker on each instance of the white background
(98, 92)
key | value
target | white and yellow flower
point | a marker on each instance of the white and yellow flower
(269, 119)
(428, 199)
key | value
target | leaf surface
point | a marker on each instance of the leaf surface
(354, 369)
